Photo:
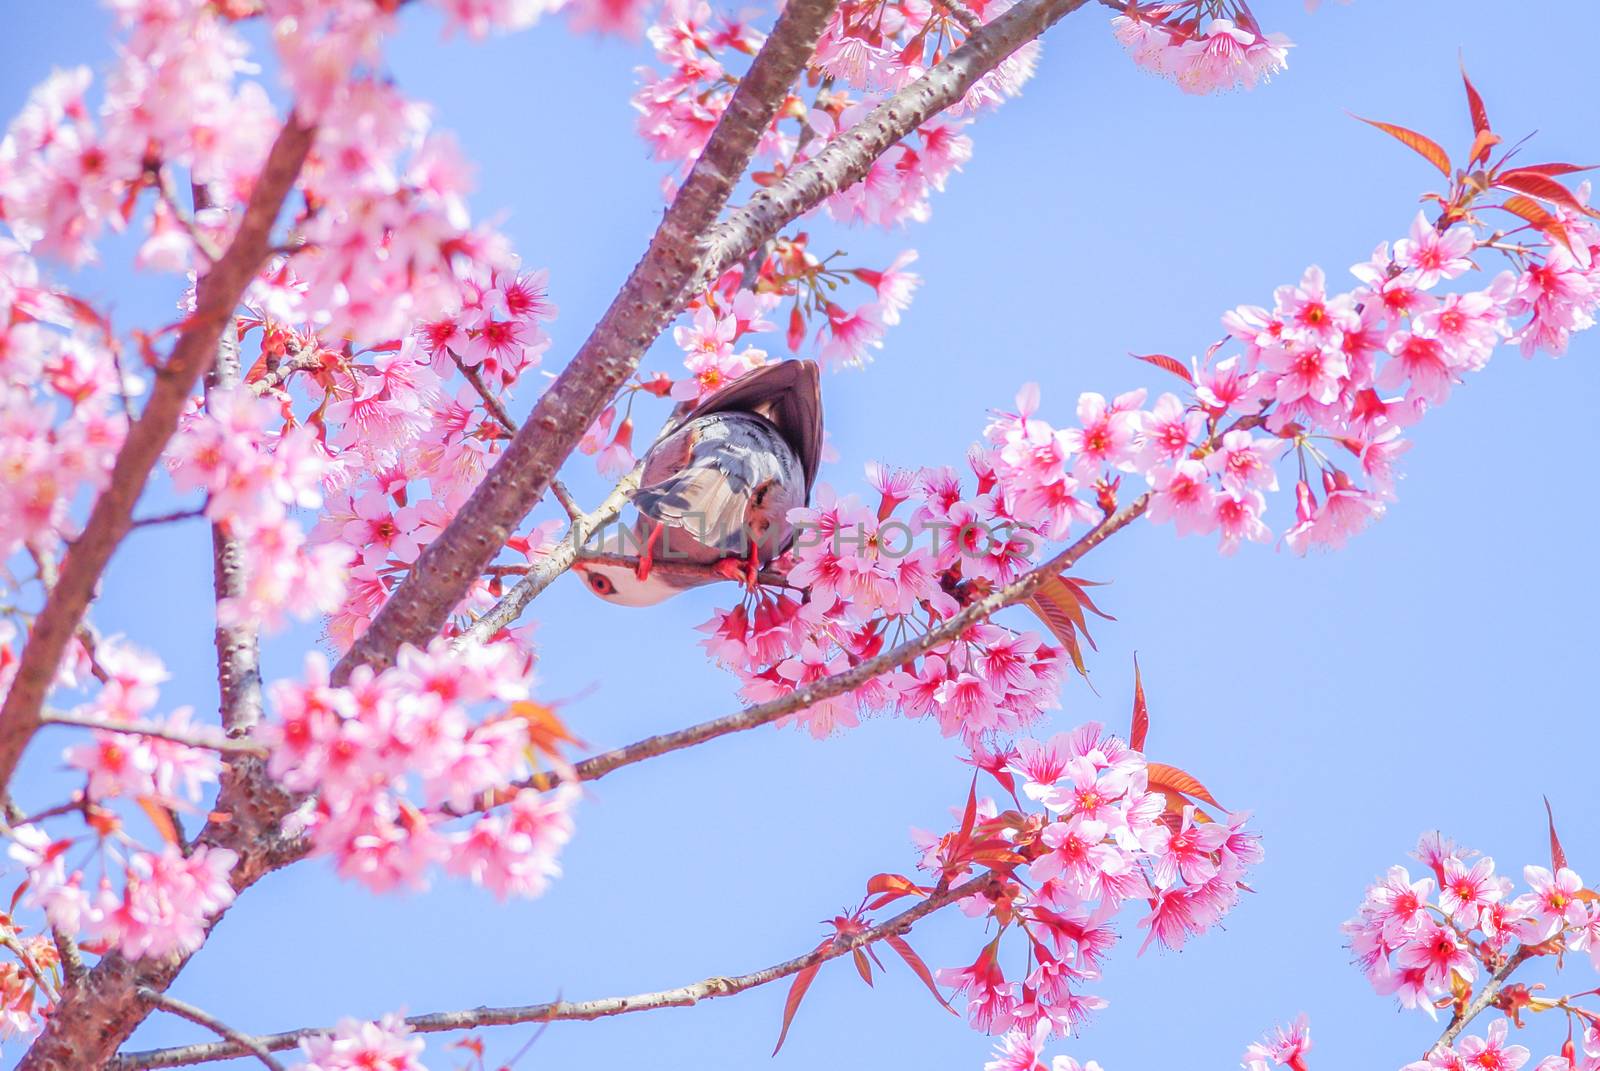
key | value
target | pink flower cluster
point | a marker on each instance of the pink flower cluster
(254, 471)
(1018, 1050)
(365, 748)
(24, 1002)
(135, 765)
(171, 99)
(1201, 54)
(163, 907)
(870, 45)
(1283, 1047)
(872, 577)
(1329, 375)
(387, 1044)
(406, 449)
(1107, 834)
(1419, 939)
(61, 420)
(1316, 373)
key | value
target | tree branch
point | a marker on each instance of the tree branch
(561, 557)
(246, 1045)
(97, 1013)
(683, 996)
(222, 744)
(846, 159)
(658, 286)
(217, 295)
(238, 646)
(493, 404)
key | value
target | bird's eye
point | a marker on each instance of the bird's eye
(602, 584)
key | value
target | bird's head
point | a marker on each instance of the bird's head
(617, 583)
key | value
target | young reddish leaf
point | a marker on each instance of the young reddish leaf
(1480, 114)
(862, 966)
(797, 993)
(1141, 711)
(914, 961)
(1558, 854)
(1057, 605)
(1481, 145)
(1166, 364)
(1542, 187)
(1530, 210)
(1171, 779)
(1427, 148)
(1554, 169)
(890, 887)
(1087, 603)
(161, 818)
(969, 817)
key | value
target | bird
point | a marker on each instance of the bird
(718, 485)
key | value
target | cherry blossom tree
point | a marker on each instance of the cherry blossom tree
(333, 398)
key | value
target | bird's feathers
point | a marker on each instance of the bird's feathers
(740, 471)
(788, 393)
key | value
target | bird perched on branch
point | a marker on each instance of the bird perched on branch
(718, 486)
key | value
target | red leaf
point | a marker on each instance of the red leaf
(1166, 364)
(1427, 148)
(1480, 114)
(1542, 187)
(914, 961)
(1558, 854)
(161, 818)
(1171, 779)
(1083, 596)
(797, 993)
(890, 887)
(1141, 711)
(1481, 145)
(969, 817)
(1555, 169)
(862, 966)
(1531, 211)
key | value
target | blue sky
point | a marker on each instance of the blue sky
(1431, 675)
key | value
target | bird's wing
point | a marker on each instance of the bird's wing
(789, 394)
(733, 458)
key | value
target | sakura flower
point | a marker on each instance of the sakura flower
(1284, 1047)
(1435, 256)
(358, 1046)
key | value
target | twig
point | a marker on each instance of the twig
(238, 646)
(963, 14)
(683, 996)
(495, 407)
(300, 362)
(564, 496)
(543, 572)
(246, 1045)
(168, 518)
(206, 741)
(71, 959)
(30, 965)
(1485, 997)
